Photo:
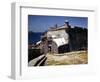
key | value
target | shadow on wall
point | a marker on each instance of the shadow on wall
(78, 38)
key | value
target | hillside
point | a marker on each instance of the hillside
(77, 57)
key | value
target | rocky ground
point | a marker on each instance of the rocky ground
(77, 57)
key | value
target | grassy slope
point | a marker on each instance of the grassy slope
(77, 57)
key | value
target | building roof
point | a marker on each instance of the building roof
(63, 27)
(60, 41)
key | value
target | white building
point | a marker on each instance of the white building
(57, 37)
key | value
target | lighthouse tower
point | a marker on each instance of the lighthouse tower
(66, 23)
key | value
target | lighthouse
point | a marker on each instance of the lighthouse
(66, 23)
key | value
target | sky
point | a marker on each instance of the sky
(38, 23)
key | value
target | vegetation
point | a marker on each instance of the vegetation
(77, 57)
